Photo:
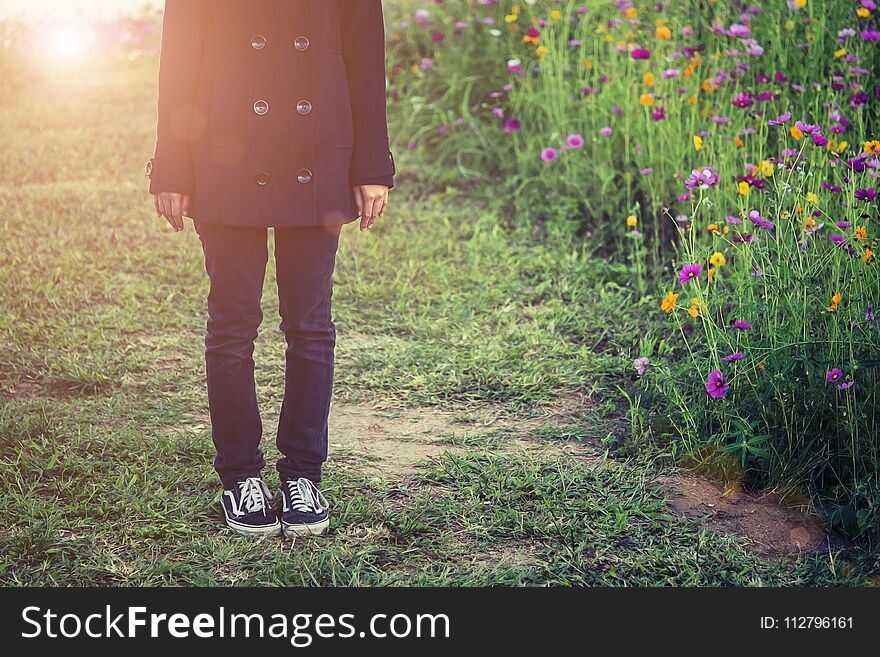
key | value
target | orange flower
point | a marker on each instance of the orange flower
(668, 304)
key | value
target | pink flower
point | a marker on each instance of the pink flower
(716, 384)
(549, 154)
(640, 53)
(689, 272)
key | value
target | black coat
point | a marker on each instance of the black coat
(271, 111)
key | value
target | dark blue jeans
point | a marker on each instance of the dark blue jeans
(235, 259)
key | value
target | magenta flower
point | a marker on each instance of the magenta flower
(701, 179)
(845, 386)
(575, 141)
(549, 154)
(808, 128)
(834, 375)
(716, 384)
(779, 120)
(759, 221)
(641, 53)
(737, 356)
(742, 326)
(689, 272)
(606, 131)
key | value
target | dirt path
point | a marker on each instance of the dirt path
(391, 443)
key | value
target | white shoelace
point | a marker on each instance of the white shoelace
(305, 496)
(253, 495)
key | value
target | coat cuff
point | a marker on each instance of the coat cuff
(162, 179)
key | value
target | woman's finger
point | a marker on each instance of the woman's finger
(177, 212)
(360, 198)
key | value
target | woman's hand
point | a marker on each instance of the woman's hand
(371, 203)
(173, 206)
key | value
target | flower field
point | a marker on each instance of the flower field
(728, 152)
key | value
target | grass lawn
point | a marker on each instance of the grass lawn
(477, 435)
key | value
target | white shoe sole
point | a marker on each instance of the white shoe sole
(248, 530)
(315, 529)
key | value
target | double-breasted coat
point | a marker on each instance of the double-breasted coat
(271, 111)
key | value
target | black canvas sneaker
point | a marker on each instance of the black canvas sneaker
(248, 508)
(304, 509)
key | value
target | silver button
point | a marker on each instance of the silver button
(303, 107)
(263, 178)
(261, 107)
(301, 43)
(258, 42)
(304, 176)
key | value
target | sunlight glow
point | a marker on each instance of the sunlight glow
(68, 42)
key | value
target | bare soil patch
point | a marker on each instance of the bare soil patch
(770, 528)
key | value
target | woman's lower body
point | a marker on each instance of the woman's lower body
(235, 260)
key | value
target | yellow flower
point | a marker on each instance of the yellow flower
(540, 51)
(765, 168)
(718, 259)
(835, 301)
(712, 228)
(556, 14)
(725, 230)
(861, 232)
(867, 255)
(789, 25)
(646, 99)
(663, 33)
(738, 141)
(809, 223)
(839, 53)
(862, 12)
(796, 133)
(812, 198)
(648, 79)
(694, 311)
(588, 65)
(743, 188)
(631, 221)
(692, 100)
(632, 12)
(711, 271)
(415, 68)
(837, 146)
(510, 18)
(872, 147)
(698, 142)
(669, 302)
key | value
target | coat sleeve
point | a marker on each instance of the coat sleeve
(184, 28)
(362, 30)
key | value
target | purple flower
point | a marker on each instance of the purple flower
(846, 385)
(701, 179)
(808, 128)
(641, 53)
(575, 141)
(732, 219)
(759, 221)
(549, 154)
(716, 384)
(742, 326)
(869, 313)
(834, 375)
(689, 272)
(641, 365)
(866, 195)
(779, 120)
(606, 131)
(737, 356)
